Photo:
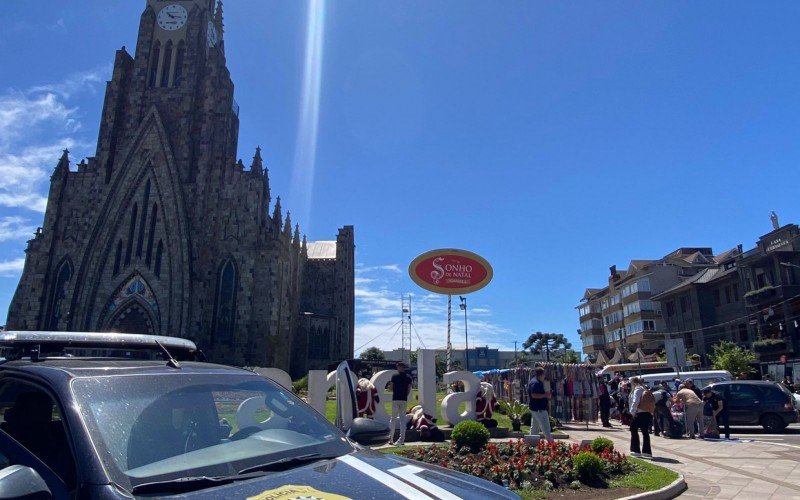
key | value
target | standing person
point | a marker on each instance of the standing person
(662, 416)
(718, 409)
(692, 410)
(641, 407)
(537, 402)
(615, 381)
(401, 387)
(605, 401)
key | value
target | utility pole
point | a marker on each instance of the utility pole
(515, 353)
(463, 307)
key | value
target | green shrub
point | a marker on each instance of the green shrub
(300, 385)
(471, 434)
(588, 466)
(553, 422)
(600, 443)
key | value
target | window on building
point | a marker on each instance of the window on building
(735, 288)
(143, 219)
(165, 67)
(179, 58)
(118, 257)
(131, 234)
(716, 297)
(225, 303)
(671, 308)
(727, 294)
(761, 280)
(159, 256)
(151, 237)
(154, 58)
(59, 295)
(743, 337)
(684, 304)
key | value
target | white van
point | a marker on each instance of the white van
(700, 378)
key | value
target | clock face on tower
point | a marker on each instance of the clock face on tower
(172, 17)
(212, 34)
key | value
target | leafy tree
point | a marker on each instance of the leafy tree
(729, 356)
(412, 358)
(570, 356)
(441, 365)
(540, 342)
(373, 354)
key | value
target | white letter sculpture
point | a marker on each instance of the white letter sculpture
(451, 402)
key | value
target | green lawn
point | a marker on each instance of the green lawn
(647, 477)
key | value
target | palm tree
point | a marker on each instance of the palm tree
(540, 342)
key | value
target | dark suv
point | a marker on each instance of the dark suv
(122, 427)
(757, 402)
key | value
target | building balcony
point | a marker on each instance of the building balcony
(772, 346)
(760, 296)
(591, 316)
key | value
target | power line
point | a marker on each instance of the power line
(418, 337)
(376, 336)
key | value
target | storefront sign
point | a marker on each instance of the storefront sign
(450, 271)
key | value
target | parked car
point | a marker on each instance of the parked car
(103, 427)
(758, 402)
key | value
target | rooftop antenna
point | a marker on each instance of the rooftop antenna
(171, 362)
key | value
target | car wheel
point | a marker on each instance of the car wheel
(772, 423)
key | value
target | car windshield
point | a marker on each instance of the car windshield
(167, 426)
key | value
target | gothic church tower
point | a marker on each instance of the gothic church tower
(163, 231)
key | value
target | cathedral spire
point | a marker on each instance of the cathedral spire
(304, 247)
(218, 17)
(257, 167)
(276, 214)
(296, 237)
(63, 165)
(287, 225)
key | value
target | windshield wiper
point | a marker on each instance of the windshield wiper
(192, 483)
(286, 463)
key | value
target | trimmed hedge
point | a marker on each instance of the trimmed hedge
(471, 434)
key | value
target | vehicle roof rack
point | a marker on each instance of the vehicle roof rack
(36, 343)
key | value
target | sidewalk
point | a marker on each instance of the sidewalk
(716, 469)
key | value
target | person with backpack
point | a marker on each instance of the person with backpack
(662, 417)
(642, 406)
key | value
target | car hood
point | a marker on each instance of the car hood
(362, 474)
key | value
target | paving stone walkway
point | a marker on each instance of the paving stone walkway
(739, 469)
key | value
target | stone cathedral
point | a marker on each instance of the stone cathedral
(164, 232)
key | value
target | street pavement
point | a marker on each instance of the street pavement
(754, 466)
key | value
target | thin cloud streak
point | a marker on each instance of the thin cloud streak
(305, 155)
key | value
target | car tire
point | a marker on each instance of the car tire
(773, 423)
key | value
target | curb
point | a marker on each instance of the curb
(667, 492)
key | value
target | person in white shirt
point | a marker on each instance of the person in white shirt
(642, 419)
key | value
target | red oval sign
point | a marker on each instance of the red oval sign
(450, 271)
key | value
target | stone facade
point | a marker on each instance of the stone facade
(164, 232)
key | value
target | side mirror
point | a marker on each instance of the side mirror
(367, 432)
(17, 481)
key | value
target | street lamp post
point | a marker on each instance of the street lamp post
(463, 307)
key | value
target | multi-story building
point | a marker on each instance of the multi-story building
(751, 298)
(770, 277)
(708, 307)
(623, 315)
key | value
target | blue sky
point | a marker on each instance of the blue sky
(553, 138)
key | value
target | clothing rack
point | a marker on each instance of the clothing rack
(572, 389)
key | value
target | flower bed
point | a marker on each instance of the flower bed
(519, 465)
